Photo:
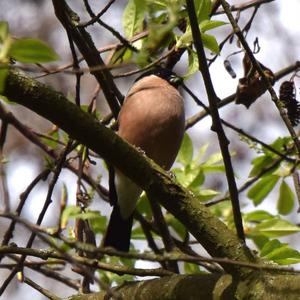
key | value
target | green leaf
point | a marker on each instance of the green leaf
(262, 188)
(213, 168)
(210, 42)
(206, 194)
(210, 24)
(203, 9)
(143, 206)
(98, 223)
(138, 233)
(3, 31)
(274, 228)
(89, 215)
(3, 75)
(189, 177)
(201, 152)
(198, 180)
(68, 213)
(279, 144)
(211, 165)
(190, 268)
(159, 5)
(185, 154)
(280, 253)
(193, 64)
(214, 158)
(32, 51)
(258, 215)
(260, 163)
(185, 39)
(285, 202)
(123, 55)
(260, 240)
(270, 246)
(52, 142)
(133, 17)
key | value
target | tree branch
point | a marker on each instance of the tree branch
(159, 185)
(216, 121)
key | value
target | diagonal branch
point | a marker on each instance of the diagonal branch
(159, 185)
(85, 45)
(216, 121)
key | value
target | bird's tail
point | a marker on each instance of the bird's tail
(118, 231)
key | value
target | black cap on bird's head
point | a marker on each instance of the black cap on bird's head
(165, 74)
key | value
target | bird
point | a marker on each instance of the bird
(152, 119)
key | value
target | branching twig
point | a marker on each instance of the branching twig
(34, 138)
(202, 114)
(238, 130)
(99, 15)
(97, 19)
(42, 290)
(50, 273)
(37, 231)
(244, 6)
(47, 202)
(265, 80)
(247, 184)
(217, 126)
(85, 45)
(164, 232)
(9, 233)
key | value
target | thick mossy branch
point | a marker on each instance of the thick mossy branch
(217, 239)
(208, 287)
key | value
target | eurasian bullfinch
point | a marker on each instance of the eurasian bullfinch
(152, 119)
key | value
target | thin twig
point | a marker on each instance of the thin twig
(107, 48)
(114, 32)
(247, 184)
(3, 178)
(238, 130)
(37, 231)
(265, 80)
(41, 216)
(152, 64)
(76, 68)
(32, 137)
(244, 6)
(98, 16)
(229, 99)
(42, 290)
(164, 232)
(87, 48)
(217, 125)
(9, 233)
(50, 273)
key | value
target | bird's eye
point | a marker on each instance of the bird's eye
(175, 80)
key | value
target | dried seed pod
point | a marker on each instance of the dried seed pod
(251, 86)
(287, 95)
(229, 68)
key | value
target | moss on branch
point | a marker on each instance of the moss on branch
(217, 239)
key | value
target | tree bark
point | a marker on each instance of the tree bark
(207, 287)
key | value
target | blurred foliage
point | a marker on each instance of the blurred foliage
(25, 50)
(161, 18)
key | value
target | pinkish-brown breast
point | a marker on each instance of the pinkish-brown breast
(152, 118)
